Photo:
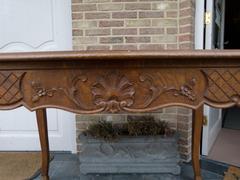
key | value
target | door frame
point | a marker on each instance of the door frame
(199, 24)
(200, 43)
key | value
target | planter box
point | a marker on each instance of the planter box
(145, 154)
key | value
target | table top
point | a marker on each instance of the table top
(119, 81)
(171, 58)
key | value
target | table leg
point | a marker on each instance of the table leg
(43, 134)
(197, 129)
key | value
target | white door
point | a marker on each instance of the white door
(35, 25)
(214, 37)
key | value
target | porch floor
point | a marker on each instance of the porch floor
(227, 147)
(65, 166)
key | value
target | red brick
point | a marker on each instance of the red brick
(124, 47)
(77, 32)
(185, 134)
(183, 118)
(138, 22)
(98, 48)
(186, 46)
(169, 116)
(171, 14)
(97, 32)
(111, 40)
(172, 30)
(151, 14)
(186, 111)
(97, 15)
(130, 31)
(121, 15)
(186, 4)
(110, 7)
(164, 22)
(184, 126)
(165, 39)
(84, 40)
(138, 6)
(111, 23)
(84, 7)
(187, 37)
(164, 6)
(152, 31)
(151, 47)
(186, 12)
(186, 29)
(137, 39)
(172, 46)
(172, 109)
(184, 142)
(78, 47)
(84, 24)
(77, 16)
(186, 21)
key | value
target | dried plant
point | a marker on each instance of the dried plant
(146, 126)
(102, 129)
(135, 126)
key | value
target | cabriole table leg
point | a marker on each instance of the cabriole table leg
(197, 129)
(43, 134)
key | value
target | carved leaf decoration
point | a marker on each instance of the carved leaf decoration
(155, 90)
(114, 92)
(74, 91)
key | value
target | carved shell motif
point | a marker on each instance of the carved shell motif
(113, 92)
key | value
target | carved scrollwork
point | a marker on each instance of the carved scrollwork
(113, 92)
(73, 91)
(155, 90)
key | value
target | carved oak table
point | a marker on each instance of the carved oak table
(119, 81)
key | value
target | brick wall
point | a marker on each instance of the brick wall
(136, 25)
(186, 24)
(186, 41)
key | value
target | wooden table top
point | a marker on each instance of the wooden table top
(196, 58)
(119, 81)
